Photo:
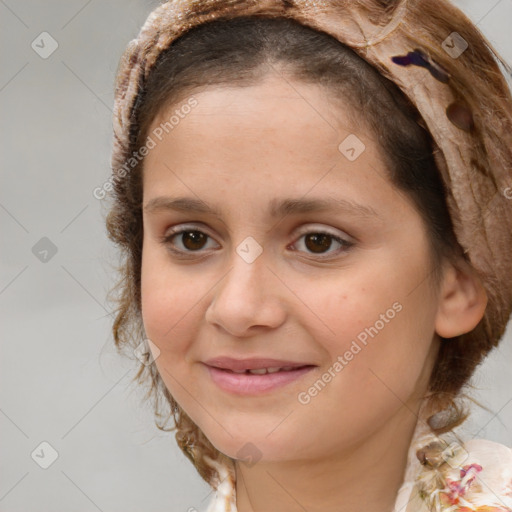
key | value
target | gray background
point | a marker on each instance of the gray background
(61, 380)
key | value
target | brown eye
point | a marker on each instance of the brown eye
(318, 242)
(186, 240)
(193, 240)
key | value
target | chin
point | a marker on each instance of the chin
(252, 448)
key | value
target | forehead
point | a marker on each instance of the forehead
(278, 134)
(276, 105)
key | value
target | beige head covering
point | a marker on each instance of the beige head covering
(472, 131)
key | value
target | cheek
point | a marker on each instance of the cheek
(377, 330)
(376, 367)
(167, 301)
(354, 308)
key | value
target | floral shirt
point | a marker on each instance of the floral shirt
(472, 476)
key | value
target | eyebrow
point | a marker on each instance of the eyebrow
(278, 207)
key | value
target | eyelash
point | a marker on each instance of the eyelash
(167, 241)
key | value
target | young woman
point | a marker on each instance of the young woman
(314, 204)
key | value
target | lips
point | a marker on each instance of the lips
(246, 383)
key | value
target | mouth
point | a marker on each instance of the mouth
(272, 365)
(256, 381)
(264, 371)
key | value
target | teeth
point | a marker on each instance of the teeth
(263, 371)
(260, 371)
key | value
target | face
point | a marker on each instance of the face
(344, 289)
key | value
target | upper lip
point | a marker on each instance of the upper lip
(253, 363)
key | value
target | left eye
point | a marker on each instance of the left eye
(193, 240)
(319, 241)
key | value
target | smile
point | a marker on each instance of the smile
(256, 381)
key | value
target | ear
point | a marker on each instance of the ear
(462, 300)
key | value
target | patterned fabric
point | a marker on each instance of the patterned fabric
(475, 476)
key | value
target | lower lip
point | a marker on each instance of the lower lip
(250, 384)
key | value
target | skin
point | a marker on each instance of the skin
(238, 149)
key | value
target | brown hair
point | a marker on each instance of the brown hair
(240, 52)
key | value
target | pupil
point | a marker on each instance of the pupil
(320, 238)
(195, 237)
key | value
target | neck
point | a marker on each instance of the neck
(366, 477)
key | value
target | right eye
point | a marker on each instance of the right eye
(191, 240)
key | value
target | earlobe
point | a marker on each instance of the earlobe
(462, 301)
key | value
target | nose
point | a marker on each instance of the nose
(248, 299)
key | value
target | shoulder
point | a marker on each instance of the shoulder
(489, 452)
(489, 468)
(477, 475)
(456, 474)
